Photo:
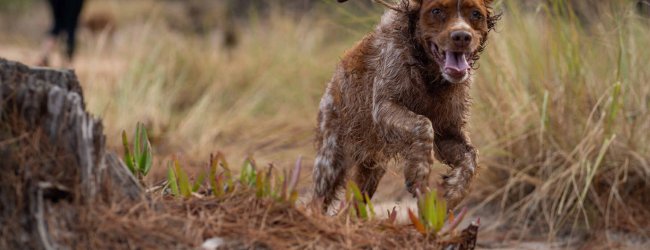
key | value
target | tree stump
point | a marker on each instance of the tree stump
(52, 152)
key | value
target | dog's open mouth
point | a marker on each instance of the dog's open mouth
(455, 65)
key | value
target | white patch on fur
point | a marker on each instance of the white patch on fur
(471, 165)
(326, 103)
(330, 142)
(325, 158)
(453, 179)
(460, 24)
(323, 171)
(388, 18)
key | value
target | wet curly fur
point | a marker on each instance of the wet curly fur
(388, 99)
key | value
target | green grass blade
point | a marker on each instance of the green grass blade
(592, 172)
(614, 107)
(543, 123)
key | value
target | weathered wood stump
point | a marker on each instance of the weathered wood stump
(51, 150)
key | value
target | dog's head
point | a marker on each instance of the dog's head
(453, 33)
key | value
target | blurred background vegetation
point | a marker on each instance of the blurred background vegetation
(561, 100)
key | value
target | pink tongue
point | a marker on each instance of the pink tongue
(456, 62)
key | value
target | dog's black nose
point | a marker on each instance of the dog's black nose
(461, 38)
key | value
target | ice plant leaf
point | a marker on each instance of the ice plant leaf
(183, 180)
(128, 158)
(248, 175)
(371, 208)
(147, 154)
(428, 210)
(144, 162)
(451, 218)
(136, 147)
(219, 188)
(358, 200)
(441, 213)
(227, 174)
(221, 158)
(355, 191)
(212, 176)
(416, 223)
(173, 183)
(295, 175)
(293, 197)
(184, 183)
(392, 216)
(454, 221)
(267, 182)
(362, 211)
(198, 182)
(281, 186)
(259, 186)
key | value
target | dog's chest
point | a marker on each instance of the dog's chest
(436, 100)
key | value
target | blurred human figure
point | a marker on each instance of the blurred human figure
(65, 16)
(99, 22)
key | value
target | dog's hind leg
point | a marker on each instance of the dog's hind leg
(368, 175)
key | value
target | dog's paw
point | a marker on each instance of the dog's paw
(456, 186)
(416, 188)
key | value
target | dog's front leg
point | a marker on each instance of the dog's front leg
(412, 135)
(453, 149)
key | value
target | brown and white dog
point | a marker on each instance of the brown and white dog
(402, 93)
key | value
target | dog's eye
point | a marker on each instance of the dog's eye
(436, 11)
(476, 15)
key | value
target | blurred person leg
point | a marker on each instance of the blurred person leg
(65, 17)
(71, 12)
(50, 42)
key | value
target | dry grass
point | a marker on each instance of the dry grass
(559, 116)
(560, 109)
(244, 221)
